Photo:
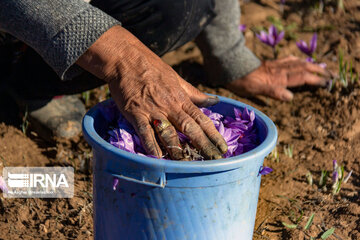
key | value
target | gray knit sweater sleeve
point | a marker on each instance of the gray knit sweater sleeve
(222, 44)
(59, 30)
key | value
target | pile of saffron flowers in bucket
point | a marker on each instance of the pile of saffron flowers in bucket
(239, 132)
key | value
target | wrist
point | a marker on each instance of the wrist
(110, 56)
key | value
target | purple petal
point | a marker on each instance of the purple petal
(221, 129)
(182, 137)
(271, 41)
(313, 43)
(237, 113)
(273, 31)
(323, 65)
(242, 27)
(262, 37)
(280, 37)
(245, 114)
(239, 150)
(238, 125)
(310, 59)
(335, 176)
(3, 186)
(302, 45)
(335, 165)
(213, 116)
(265, 170)
(228, 120)
(252, 116)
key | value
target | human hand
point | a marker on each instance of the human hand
(152, 96)
(273, 77)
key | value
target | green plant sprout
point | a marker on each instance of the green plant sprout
(295, 226)
(294, 211)
(274, 155)
(309, 222)
(86, 97)
(323, 178)
(309, 178)
(347, 77)
(289, 151)
(338, 177)
(328, 233)
(319, 5)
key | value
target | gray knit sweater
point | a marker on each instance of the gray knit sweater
(62, 30)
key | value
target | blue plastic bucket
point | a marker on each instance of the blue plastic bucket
(164, 199)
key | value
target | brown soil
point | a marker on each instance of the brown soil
(321, 126)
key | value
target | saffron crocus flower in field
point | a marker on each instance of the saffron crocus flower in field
(308, 49)
(338, 177)
(272, 38)
(242, 27)
(3, 186)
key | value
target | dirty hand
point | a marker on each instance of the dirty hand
(152, 96)
(273, 77)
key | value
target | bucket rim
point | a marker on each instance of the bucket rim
(173, 166)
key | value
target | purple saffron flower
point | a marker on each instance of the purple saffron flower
(122, 139)
(3, 186)
(115, 183)
(265, 170)
(282, 2)
(335, 165)
(238, 132)
(272, 38)
(335, 176)
(308, 50)
(242, 27)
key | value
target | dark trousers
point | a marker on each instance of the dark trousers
(162, 25)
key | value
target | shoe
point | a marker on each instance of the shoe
(61, 117)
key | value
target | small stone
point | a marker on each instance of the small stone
(331, 147)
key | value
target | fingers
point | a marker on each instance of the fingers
(278, 92)
(147, 136)
(184, 123)
(300, 78)
(207, 126)
(169, 138)
(197, 97)
(315, 68)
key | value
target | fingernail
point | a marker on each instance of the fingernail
(287, 96)
(217, 157)
(211, 101)
(223, 148)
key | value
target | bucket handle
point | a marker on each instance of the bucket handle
(143, 181)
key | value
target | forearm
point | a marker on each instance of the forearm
(117, 53)
(59, 30)
(226, 58)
